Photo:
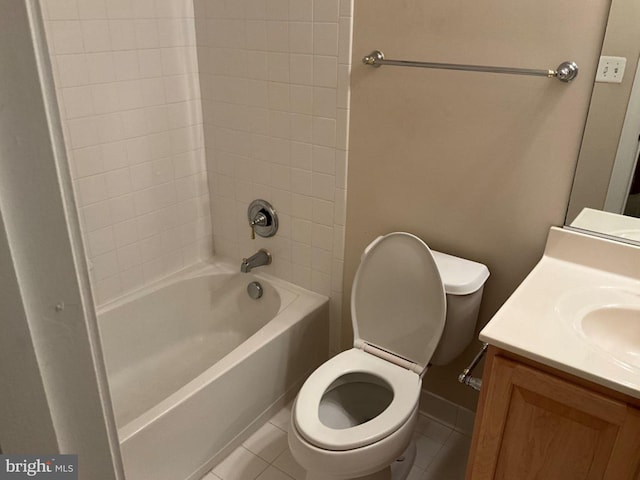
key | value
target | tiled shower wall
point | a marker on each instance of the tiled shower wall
(127, 84)
(274, 76)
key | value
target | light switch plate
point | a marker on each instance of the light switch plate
(611, 69)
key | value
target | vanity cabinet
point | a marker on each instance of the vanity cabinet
(534, 422)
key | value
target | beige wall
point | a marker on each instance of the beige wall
(607, 112)
(478, 165)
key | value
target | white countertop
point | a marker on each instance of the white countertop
(608, 223)
(533, 324)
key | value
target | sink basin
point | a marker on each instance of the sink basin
(607, 318)
(615, 330)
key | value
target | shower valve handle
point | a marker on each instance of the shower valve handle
(261, 220)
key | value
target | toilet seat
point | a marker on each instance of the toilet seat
(398, 309)
(404, 384)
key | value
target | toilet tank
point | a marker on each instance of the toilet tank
(463, 283)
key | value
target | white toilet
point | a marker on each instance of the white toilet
(354, 416)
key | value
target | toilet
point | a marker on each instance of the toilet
(411, 307)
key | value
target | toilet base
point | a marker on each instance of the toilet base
(399, 469)
(402, 466)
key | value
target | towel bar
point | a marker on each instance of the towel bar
(565, 72)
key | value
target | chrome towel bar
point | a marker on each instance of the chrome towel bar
(565, 72)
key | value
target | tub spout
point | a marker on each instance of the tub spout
(261, 257)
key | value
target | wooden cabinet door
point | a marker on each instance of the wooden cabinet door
(534, 425)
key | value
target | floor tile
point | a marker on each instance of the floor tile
(241, 464)
(288, 464)
(282, 418)
(416, 473)
(433, 429)
(441, 454)
(272, 473)
(268, 442)
(210, 476)
(427, 448)
(451, 461)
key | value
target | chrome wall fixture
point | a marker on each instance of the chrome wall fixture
(565, 72)
(263, 219)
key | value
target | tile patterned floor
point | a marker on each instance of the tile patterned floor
(441, 454)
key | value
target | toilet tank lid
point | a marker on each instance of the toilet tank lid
(460, 276)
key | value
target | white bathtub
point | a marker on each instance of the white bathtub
(194, 362)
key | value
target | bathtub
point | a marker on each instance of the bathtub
(195, 364)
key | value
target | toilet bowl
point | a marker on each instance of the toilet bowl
(355, 414)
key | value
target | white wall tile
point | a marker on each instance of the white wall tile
(87, 161)
(158, 163)
(121, 208)
(326, 10)
(105, 265)
(301, 99)
(323, 212)
(72, 70)
(144, 8)
(301, 10)
(125, 233)
(66, 37)
(119, 8)
(301, 155)
(77, 101)
(96, 36)
(324, 160)
(143, 149)
(126, 74)
(325, 71)
(91, 189)
(114, 155)
(88, 9)
(100, 67)
(325, 39)
(96, 216)
(126, 65)
(107, 289)
(100, 241)
(322, 237)
(118, 182)
(325, 102)
(278, 36)
(277, 9)
(324, 131)
(62, 9)
(278, 67)
(301, 37)
(132, 279)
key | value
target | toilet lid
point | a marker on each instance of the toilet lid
(398, 301)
